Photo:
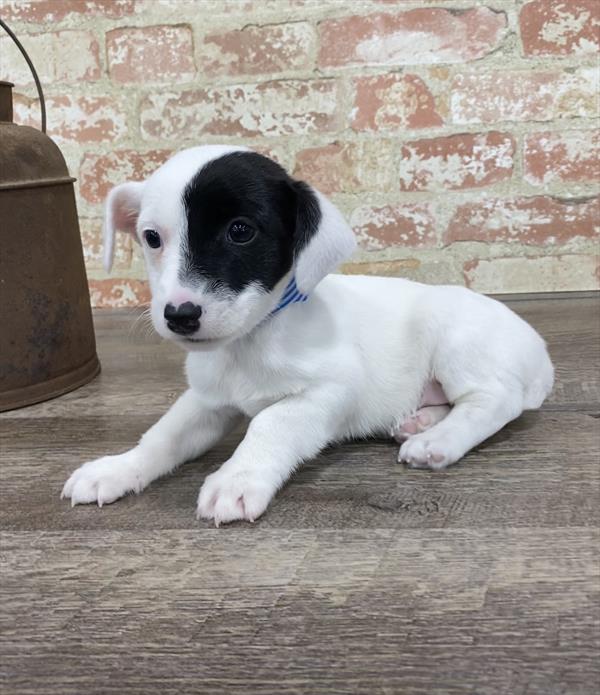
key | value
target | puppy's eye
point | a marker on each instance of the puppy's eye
(152, 238)
(241, 233)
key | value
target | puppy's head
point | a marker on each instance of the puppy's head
(223, 231)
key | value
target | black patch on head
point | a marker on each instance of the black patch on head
(249, 187)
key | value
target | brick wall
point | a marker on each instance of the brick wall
(460, 138)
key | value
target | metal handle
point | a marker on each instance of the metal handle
(36, 79)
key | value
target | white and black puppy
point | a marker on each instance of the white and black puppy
(237, 255)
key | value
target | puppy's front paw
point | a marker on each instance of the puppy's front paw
(232, 494)
(104, 480)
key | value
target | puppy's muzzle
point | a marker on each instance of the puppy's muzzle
(183, 320)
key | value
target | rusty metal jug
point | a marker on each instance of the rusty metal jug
(47, 344)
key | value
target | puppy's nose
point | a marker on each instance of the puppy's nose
(183, 320)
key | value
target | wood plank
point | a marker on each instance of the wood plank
(363, 577)
(303, 611)
(138, 368)
(515, 478)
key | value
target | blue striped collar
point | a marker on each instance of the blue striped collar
(291, 295)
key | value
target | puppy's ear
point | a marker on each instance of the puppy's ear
(323, 238)
(121, 212)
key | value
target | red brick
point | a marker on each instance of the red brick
(563, 156)
(42, 11)
(258, 50)
(276, 108)
(523, 96)
(347, 167)
(419, 36)
(60, 56)
(389, 102)
(457, 161)
(91, 237)
(116, 293)
(99, 173)
(560, 27)
(78, 119)
(534, 221)
(526, 274)
(151, 54)
(411, 225)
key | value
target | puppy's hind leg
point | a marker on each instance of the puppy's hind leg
(474, 417)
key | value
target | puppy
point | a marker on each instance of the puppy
(238, 256)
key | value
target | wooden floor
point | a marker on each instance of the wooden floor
(362, 577)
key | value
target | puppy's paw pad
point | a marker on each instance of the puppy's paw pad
(233, 496)
(421, 421)
(103, 481)
(406, 429)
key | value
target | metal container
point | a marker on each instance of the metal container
(47, 344)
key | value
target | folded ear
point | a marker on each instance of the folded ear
(120, 213)
(323, 238)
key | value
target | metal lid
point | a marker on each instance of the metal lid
(29, 158)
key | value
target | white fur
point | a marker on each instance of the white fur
(353, 361)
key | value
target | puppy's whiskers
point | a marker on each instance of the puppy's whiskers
(142, 327)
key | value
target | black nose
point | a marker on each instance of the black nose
(185, 319)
